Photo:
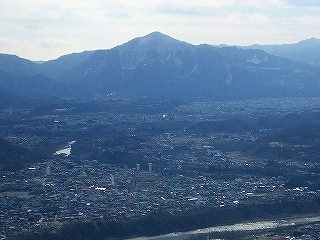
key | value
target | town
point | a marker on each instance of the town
(108, 164)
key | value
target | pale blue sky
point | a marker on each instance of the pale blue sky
(46, 29)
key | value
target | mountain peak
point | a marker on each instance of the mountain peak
(158, 35)
(155, 40)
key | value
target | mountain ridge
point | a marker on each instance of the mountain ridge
(189, 70)
(305, 51)
(157, 65)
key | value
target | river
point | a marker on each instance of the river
(240, 227)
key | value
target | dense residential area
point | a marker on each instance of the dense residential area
(132, 163)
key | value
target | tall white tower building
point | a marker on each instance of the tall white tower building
(48, 171)
(112, 179)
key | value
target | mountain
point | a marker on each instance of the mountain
(54, 68)
(14, 65)
(154, 40)
(306, 51)
(159, 66)
(24, 90)
(23, 82)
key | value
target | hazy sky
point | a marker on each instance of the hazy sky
(46, 29)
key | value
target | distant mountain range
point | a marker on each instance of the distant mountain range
(157, 65)
(307, 51)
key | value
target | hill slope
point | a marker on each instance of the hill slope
(14, 65)
(22, 90)
(15, 157)
(54, 68)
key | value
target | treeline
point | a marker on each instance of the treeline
(244, 124)
(158, 223)
(292, 139)
(300, 142)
